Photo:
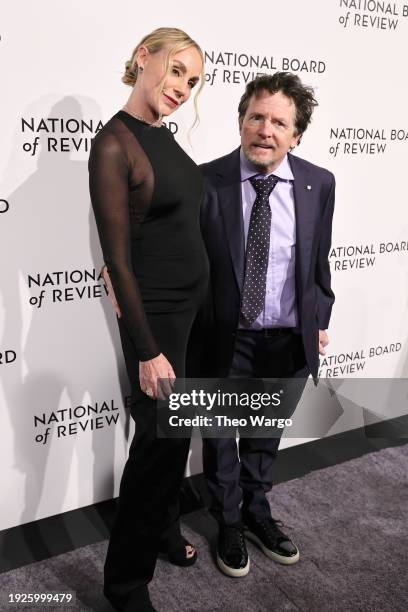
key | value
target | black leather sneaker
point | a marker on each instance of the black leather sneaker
(232, 554)
(271, 540)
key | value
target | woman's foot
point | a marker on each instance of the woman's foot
(179, 550)
(182, 553)
(138, 599)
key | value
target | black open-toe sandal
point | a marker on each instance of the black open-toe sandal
(174, 545)
(177, 553)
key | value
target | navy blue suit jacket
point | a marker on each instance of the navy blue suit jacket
(213, 335)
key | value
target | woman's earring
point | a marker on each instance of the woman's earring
(140, 68)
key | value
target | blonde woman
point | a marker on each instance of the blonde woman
(146, 194)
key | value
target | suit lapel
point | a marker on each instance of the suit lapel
(304, 192)
(230, 202)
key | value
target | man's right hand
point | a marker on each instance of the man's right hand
(106, 278)
(153, 369)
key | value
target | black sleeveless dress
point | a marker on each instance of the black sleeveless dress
(146, 194)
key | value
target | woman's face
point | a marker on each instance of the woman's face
(183, 74)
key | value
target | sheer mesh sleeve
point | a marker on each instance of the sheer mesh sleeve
(108, 184)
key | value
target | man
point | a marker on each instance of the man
(266, 221)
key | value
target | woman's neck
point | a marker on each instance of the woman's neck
(137, 106)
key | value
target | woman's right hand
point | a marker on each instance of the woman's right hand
(152, 370)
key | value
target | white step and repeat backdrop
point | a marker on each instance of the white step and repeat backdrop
(63, 421)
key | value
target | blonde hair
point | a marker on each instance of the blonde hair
(154, 42)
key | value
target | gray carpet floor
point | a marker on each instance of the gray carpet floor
(349, 521)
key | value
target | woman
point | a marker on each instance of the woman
(146, 194)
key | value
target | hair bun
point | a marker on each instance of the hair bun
(130, 76)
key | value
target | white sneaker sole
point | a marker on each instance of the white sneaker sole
(269, 553)
(230, 571)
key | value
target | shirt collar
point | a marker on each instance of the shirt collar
(283, 171)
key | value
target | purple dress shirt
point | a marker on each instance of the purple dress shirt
(280, 300)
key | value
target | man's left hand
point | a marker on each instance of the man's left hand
(323, 341)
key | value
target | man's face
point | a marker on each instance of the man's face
(268, 130)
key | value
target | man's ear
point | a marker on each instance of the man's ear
(240, 123)
(295, 141)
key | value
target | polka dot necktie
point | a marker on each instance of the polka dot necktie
(257, 250)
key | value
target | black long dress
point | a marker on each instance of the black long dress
(146, 194)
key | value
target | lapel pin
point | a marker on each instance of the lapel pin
(309, 187)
